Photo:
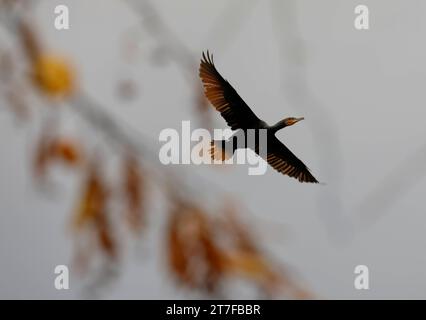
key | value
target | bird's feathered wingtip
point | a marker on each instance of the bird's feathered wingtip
(309, 179)
(312, 180)
(207, 57)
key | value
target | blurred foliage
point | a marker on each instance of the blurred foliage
(203, 250)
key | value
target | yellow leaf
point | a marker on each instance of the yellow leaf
(53, 75)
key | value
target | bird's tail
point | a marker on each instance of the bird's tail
(217, 150)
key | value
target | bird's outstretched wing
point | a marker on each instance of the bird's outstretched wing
(224, 98)
(284, 161)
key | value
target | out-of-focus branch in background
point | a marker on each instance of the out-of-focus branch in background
(344, 222)
(203, 252)
(324, 130)
(390, 189)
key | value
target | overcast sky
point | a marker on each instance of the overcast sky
(361, 93)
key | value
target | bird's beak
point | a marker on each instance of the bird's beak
(298, 119)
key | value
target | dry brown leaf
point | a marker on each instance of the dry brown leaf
(134, 192)
(92, 203)
(29, 41)
(194, 256)
(247, 260)
(59, 149)
(67, 150)
(92, 211)
(106, 239)
(177, 255)
(252, 266)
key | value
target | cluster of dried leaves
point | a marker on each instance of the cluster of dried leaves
(203, 250)
(92, 214)
(53, 77)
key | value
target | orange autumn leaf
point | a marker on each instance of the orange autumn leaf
(92, 211)
(246, 259)
(51, 74)
(67, 150)
(194, 255)
(177, 254)
(106, 239)
(61, 149)
(215, 260)
(264, 273)
(251, 265)
(92, 203)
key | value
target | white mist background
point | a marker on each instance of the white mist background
(370, 85)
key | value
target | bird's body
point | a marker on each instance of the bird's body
(241, 118)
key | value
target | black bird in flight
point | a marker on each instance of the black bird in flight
(239, 116)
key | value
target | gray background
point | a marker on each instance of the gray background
(361, 92)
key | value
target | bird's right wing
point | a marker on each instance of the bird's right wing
(284, 161)
(224, 98)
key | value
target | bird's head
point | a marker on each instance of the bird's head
(285, 123)
(290, 121)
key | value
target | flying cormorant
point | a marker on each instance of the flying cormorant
(239, 116)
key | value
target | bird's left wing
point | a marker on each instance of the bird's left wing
(224, 98)
(284, 161)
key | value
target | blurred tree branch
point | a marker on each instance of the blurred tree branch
(94, 220)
